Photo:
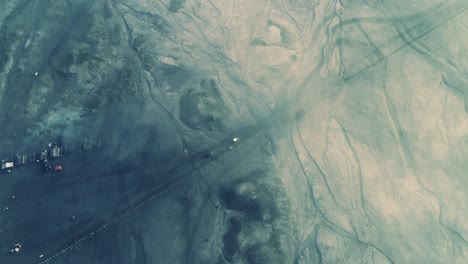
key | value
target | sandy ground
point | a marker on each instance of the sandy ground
(351, 118)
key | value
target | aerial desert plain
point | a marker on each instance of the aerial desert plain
(350, 120)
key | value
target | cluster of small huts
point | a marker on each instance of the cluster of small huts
(53, 151)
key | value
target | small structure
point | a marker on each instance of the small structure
(88, 144)
(97, 144)
(43, 155)
(235, 139)
(32, 157)
(55, 152)
(66, 148)
(6, 165)
(88, 112)
(21, 160)
(16, 249)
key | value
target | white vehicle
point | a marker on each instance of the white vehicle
(235, 139)
(231, 147)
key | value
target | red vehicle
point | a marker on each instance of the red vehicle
(58, 168)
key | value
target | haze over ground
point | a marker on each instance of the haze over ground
(351, 117)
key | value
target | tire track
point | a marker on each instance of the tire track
(149, 197)
(406, 44)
